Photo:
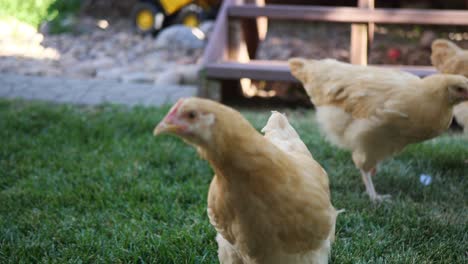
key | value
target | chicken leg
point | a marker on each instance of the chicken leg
(367, 179)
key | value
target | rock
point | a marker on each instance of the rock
(189, 73)
(78, 51)
(88, 68)
(85, 25)
(45, 27)
(207, 27)
(169, 77)
(83, 69)
(427, 37)
(138, 77)
(156, 61)
(342, 54)
(179, 37)
(139, 48)
(184, 74)
(69, 22)
(103, 62)
(417, 57)
(111, 74)
(40, 70)
(115, 53)
(67, 59)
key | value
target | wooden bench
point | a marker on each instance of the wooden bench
(236, 35)
(278, 70)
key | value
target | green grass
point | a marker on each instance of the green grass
(92, 185)
(34, 12)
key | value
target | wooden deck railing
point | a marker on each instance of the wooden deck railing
(219, 63)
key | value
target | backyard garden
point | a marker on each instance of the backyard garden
(90, 183)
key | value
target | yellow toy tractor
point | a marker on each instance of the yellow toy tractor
(150, 16)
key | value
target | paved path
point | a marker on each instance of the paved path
(90, 92)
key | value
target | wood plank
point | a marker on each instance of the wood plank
(420, 71)
(257, 70)
(370, 26)
(217, 45)
(358, 46)
(251, 29)
(360, 37)
(210, 88)
(279, 70)
(352, 14)
(216, 50)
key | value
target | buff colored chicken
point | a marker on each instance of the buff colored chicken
(376, 112)
(447, 57)
(269, 200)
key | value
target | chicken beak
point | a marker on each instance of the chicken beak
(165, 127)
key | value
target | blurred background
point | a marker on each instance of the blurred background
(117, 40)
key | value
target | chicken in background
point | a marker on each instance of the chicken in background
(269, 200)
(447, 57)
(375, 112)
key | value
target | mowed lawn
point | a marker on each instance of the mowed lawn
(92, 185)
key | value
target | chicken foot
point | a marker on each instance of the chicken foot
(367, 179)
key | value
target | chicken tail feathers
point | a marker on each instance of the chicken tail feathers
(279, 125)
(282, 134)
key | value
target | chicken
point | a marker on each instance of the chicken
(375, 112)
(447, 57)
(269, 200)
(460, 112)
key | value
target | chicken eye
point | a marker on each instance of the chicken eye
(459, 89)
(192, 115)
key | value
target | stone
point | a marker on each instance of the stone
(182, 92)
(115, 53)
(427, 37)
(34, 70)
(168, 77)
(156, 61)
(83, 69)
(45, 27)
(182, 74)
(189, 73)
(111, 74)
(207, 28)
(138, 77)
(67, 59)
(179, 37)
(103, 62)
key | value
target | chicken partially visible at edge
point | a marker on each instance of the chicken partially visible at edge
(447, 57)
(376, 112)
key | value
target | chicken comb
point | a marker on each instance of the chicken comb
(175, 108)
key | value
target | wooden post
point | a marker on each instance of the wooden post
(254, 30)
(215, 51)
(360, 37)
(370, 27)
(243, 40)
(245, 35)
(208, 88)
